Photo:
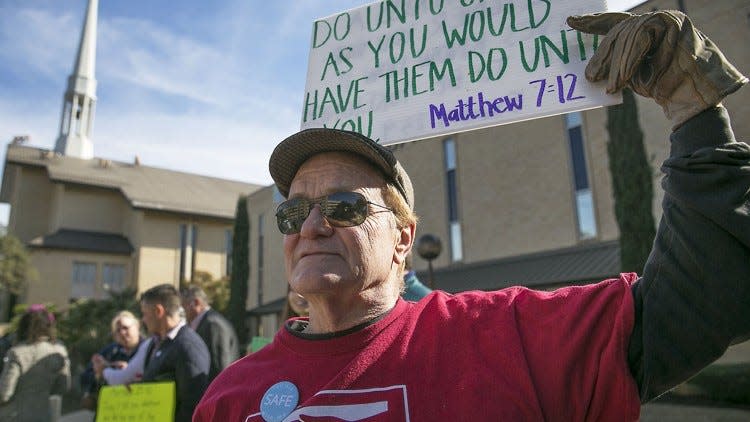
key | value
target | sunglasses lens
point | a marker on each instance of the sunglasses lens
(291, 214)
(345, 209)
(342, 209)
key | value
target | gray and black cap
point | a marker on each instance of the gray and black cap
(293, 151)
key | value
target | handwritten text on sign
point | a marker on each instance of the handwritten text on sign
(398, 70)
(142, 402)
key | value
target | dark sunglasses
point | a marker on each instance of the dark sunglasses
(341, 209)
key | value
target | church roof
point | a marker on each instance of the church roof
(81, 240)
(143, 186)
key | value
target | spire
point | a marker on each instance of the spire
(80, 97)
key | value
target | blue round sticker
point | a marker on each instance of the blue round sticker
(279, 401)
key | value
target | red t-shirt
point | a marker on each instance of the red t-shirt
(514, 354)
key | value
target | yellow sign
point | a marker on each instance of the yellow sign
(258, 343)
(141, 402)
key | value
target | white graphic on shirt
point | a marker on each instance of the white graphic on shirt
(352, 412)
(372, 404)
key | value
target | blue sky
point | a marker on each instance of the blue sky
(197, 86)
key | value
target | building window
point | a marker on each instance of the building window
(261, 228)
(83, 280)
(449, 149)
(228, 239)
(113, 278)
(584, 199)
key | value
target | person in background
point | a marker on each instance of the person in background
(413, 288)
(215, 330)
(35, 368)
(580, 353)
(6, 342)
(114, 371)
(126, 333)
(177, 352)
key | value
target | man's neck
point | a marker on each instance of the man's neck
(198, 317)
(334, 313)
(169, 324)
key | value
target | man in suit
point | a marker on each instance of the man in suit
(213, 328)
(178, 354)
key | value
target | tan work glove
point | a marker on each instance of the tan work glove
(660, 55)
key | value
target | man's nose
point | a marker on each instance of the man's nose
(316, 224)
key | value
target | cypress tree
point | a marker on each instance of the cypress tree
(240, 271)
(631, 182)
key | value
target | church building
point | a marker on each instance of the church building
(94, 225)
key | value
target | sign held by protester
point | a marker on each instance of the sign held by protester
(400, 70)
(137, 402)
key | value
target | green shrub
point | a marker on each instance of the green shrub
(86, 326)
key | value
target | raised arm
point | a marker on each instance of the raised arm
(133, 370)
(693, 300)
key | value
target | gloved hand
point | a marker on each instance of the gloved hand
(660, 55)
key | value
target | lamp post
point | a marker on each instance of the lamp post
(429, 247)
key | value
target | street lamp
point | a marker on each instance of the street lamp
(429, 247)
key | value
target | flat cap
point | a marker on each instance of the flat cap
(293, 151)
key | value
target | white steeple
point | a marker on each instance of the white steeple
(80, 97)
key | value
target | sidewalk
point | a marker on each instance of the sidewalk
(78, 416)
(673, 412)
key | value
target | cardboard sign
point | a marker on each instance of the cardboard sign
(148, 401)
(399, 70)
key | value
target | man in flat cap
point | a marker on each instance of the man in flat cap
(592, 352)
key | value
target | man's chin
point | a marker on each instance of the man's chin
(315, 282)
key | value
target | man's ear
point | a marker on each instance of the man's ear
(159, 310)
(404, 243)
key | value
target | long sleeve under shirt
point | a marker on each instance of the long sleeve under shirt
(693, 300)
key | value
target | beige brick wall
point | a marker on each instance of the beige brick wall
(29, 215)
(56, 271)
(91, 209)
(504, 173)
(426, 159)
(515, 186)
(159, 248)
(212, 252)
(260, 203)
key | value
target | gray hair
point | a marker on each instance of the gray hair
(194, 292)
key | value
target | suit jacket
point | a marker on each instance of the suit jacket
(185, 361)
(32, 372)
(218, 334)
